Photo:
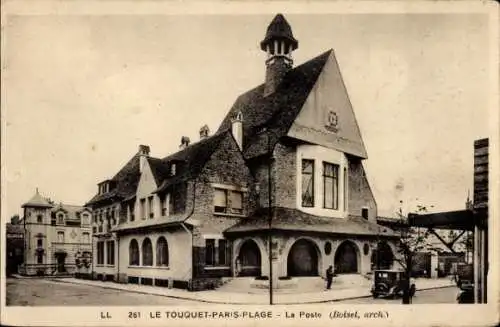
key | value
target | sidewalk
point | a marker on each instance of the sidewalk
(219, 297)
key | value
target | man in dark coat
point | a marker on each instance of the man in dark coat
(329, 277)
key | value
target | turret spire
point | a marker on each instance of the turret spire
(279, 43)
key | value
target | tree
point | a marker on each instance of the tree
(412, 241)
(14, 220)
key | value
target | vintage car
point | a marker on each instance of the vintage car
(390, 283)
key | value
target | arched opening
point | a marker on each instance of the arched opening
(302, 259)
(248, 262)
(346, 258)
(147, 252)
(162, 252)
(382, 256)
(133, 252)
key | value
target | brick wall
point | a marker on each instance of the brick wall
(284, 176)
(226, 166)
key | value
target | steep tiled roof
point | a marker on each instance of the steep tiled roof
(277, 111)
(159, 168)
(295, 220)
(126, 182)
(279, 29)
(38, 201)
(191, 160)
(71, 210)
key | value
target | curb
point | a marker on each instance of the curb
(237, 303)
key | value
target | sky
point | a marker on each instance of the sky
(82, 92)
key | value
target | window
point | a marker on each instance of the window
(163, 204)
(94, 229)
(85, 238)
(162, 252)
(237, 202)
(345, 189)
(39, 258)
(223, 253)
(39, 242)
(209, 252)
(143, 208)
(39, 219)
(331, 186)
(226, 201)
(60, 218)
(95, 218)
(60, 237)
(132, 211)
(364, 213)
(151, 207)
(307, 183)
(100, 253)
(171, 203)
(133, 252)
(110, 251)
(220, 200)
(147, 252)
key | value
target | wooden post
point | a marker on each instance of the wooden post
(480, 219)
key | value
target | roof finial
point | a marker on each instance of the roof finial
(36, 189)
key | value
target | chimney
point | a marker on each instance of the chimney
(237, 129)
(184, 142)
(143, 155)
(204, 132)
(279, 43)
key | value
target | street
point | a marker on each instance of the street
(28, 292)
(35, 291)
(438, 295)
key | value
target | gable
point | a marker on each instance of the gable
(327, 117)
(147, 182)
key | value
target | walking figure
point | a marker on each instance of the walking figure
(329, 277)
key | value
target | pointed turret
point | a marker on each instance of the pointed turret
(279, 43)
(37, 201)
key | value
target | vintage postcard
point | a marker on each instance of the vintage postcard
(249, 163)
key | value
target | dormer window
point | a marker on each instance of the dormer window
(60, 218)
(106, 187)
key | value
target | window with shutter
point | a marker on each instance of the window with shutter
(237, 202)
(220, 200)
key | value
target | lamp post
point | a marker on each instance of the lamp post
(270, 217)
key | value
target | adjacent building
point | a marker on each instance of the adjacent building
(57, 238)
(280, 185)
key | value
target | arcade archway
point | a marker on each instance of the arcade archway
(249, 259)
(346, 258)
(303, 259)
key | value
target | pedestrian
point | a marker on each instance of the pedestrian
(329, 277)
(238, 266)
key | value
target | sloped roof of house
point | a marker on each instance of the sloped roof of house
(190, 161)
(126, 182)
(277, 111)
(295, 220)
(38, 201)
(70, 210)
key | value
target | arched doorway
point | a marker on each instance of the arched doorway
(302, 259)
(382, 256)
(248, 261)
(346, 258)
